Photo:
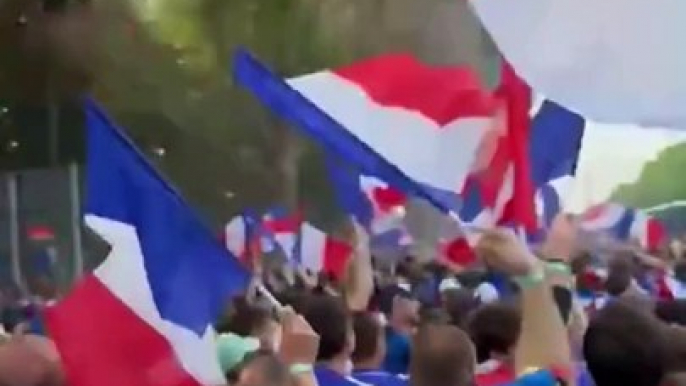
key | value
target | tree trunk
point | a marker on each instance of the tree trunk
(287, 155)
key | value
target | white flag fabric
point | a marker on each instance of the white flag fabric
(613, 61)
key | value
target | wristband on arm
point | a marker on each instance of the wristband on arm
(558, 268)
(532, 279)
(301, 368)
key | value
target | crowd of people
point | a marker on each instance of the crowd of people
(519, 318)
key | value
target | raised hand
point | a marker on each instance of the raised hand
(502, 250)
(299, 342)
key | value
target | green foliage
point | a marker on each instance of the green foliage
(161, 68)
(660, 181)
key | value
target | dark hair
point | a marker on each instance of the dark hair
(624, 346)
(580, 263)
(329, 318)
(458, 304)
(494, 328)
(388, 294)
(671, 311)
(619, 275)
(368, 331)
(403, 269)
(273, 370)
(680, 271)
(292, 297)
(245, 319)
(675, 349)
(441, 355)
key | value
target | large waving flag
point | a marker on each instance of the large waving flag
(555, 142)
(420, 129)
(615, 61)
(144, 316)
(502, 193)
(610, 218)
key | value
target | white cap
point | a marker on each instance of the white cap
(486, 292)
(449, 283)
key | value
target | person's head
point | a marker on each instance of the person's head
(263, 369)
(30, 361)
(458, 304)
(370, 342)
(672, 311)
(403, 275)
(442, 355)
(619, 275)
(400, 308)
(624, 346)
(580, 263)
(256, 320)
(233, 349)
(405, 314)
(433, 315)
(680, 271)
(494, 329)
(675, 349)
(329, 318)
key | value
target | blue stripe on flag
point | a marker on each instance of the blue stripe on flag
(191, 275)
(292, 106)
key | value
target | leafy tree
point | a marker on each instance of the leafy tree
(659, 181)
(161, 68)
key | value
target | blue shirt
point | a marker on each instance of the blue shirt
(539, 378)
(379, 378)
(328, 377)
(397, 359)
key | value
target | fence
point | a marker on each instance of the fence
(41, 237)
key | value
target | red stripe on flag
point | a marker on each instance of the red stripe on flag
(336, 256)
(103, 342)
(442, 94)
(521, 209)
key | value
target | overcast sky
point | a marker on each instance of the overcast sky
(612, 155)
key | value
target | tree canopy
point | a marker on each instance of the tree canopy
(161, 68)
(659, 182)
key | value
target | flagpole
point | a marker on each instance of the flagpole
(15, 250)
(75, 206)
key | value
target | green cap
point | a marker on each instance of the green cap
(232, 349)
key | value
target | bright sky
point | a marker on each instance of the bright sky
(612, 155)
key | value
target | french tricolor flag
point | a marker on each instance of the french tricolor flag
(239, 236)
(555, 142)
(648, 231)
(421, 129)
(374, 204)
(609, 218)
(319, 252)
(144, 316)
(503, 192)
(388, 205)
(282, 228)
